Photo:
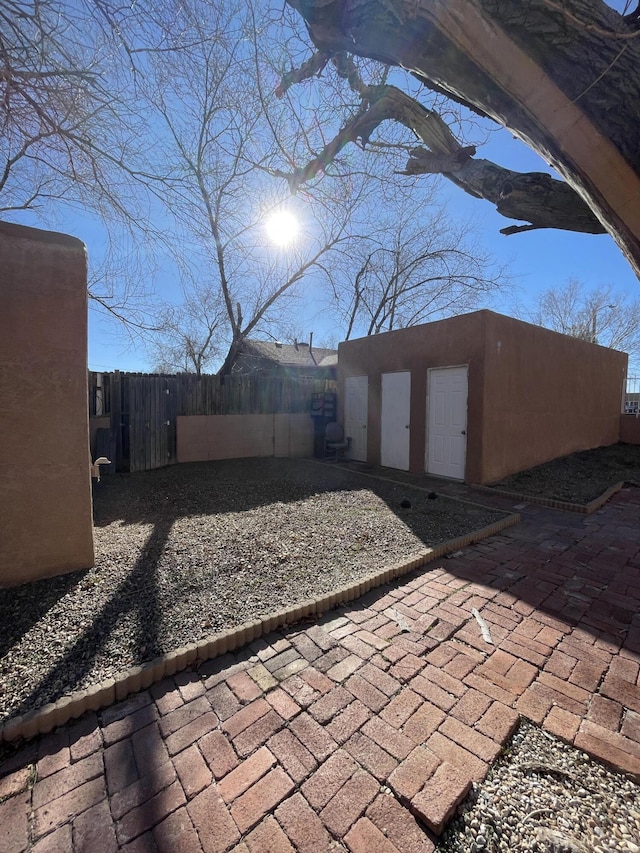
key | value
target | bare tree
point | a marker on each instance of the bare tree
(167, 120)
(600, 316)
(216, 141)
(188, 336)
(417, 266)
(71, 136)
(562, 76)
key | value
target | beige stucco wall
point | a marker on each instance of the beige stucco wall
(207, 437)
(533, 395)
(545, 395)
(45, 487)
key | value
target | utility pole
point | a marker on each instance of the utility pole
(594, 320)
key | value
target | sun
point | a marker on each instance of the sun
(282, 227)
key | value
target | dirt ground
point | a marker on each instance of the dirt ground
(580, 477)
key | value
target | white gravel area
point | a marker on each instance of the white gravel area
(544, 796)
(185, 551)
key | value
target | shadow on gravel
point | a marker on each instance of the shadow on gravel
(79, 657)
(580, 477)
(23, 606)
(552, 561)
(158, 500)
(210, 488)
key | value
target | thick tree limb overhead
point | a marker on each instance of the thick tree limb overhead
(535, 198)
(563, 76)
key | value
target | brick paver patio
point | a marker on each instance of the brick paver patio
(354, 733)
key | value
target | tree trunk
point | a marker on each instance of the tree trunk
(230, 359)
(560, 74)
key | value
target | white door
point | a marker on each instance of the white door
(356, 403)
(396, 410)
(447, 422)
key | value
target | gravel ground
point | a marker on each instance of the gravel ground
(580, 477)
(543, 795)
(186, 551)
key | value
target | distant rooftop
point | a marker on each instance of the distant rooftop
(293, 355)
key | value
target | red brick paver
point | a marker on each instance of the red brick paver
(354, 733)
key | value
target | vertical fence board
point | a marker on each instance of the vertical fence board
(172, 417)
(149, 423)
(136, 427)
(134, 442)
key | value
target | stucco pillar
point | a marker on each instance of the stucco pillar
(45, 485)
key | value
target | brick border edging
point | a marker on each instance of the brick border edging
(98, 696)
(585, 509)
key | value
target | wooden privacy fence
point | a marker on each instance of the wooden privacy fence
(134, 414)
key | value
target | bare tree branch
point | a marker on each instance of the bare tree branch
(553, 73)
(534, 197)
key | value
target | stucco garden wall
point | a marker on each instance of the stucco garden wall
(45, 486)
(203, 438)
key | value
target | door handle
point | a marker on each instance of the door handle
(463, 432)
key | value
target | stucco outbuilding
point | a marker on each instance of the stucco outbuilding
(477, 397)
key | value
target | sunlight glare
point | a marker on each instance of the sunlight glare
(282, 227)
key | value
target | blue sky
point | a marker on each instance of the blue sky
(542, 259)
(537, 261)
